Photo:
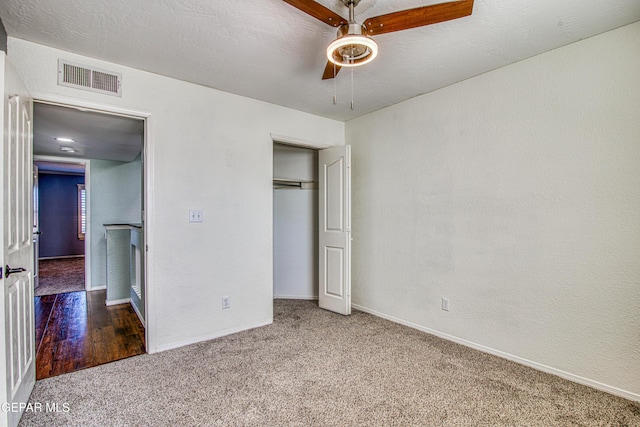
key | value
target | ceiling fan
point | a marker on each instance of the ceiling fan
(354, 45)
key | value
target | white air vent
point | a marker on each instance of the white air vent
(95, 80)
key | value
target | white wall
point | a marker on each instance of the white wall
(295, 163)
(515, 194)
(116, 197)
(208, 150)
(295, 225)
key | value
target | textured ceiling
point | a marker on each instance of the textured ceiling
(268, 50)
(95, 135)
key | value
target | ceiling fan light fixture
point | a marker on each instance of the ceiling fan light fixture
(352, 50)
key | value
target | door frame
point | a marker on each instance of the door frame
(298, 142)
(147, 193)
(87, 184)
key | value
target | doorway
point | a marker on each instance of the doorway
(330, 174)
(295, 222)
(111, 146)
(60, 213)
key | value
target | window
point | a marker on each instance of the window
(82, 211)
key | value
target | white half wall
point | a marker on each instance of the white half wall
(116, 198)
(207, 150)
(516, 195)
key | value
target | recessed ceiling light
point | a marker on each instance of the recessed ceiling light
(68, 149)
(65, 139)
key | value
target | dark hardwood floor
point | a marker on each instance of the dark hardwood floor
(77, 330)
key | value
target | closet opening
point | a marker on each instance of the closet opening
(295, 222)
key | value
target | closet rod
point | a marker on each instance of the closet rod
(279, 183)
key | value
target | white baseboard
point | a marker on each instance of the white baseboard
(97, 288)
(302, 297)
(135, 308)
(538, 366)
(208, 337)
(118, 301)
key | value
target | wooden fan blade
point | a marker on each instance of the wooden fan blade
(329, 72)
(418, 17)
(318, 11)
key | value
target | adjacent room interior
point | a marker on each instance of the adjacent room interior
(88, 186)
(59, 227)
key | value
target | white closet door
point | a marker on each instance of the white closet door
(334, 190)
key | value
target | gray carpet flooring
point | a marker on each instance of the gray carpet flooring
(59, 276)
(315, 368)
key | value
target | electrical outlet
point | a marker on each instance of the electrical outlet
(445, 304)
(195, 215)
(226, 302)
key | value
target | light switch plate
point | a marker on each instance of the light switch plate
(195, 215)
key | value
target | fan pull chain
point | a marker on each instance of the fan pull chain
(335, 89)
(352, 88)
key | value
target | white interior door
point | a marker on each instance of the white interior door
(334, 235)
(17, 271)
